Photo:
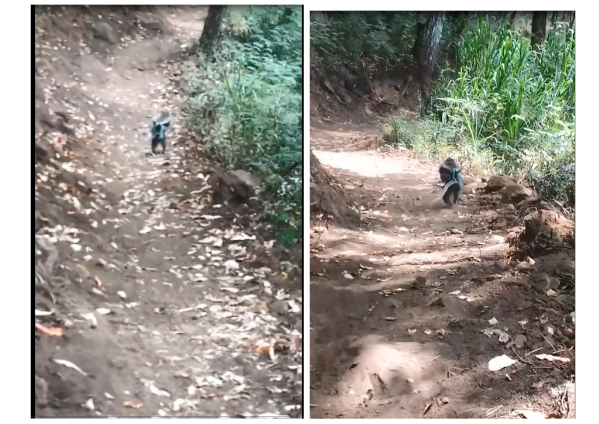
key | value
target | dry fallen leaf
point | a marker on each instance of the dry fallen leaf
(71, 365)
(263, 350)
(558, 360)
(132, 404)
(500, 362)
(50, 331)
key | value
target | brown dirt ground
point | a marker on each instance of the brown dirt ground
(163, 304)
(387, 344)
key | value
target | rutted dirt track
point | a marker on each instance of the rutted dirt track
(147, 303)
(403, 306)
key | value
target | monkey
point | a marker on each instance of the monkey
(158, 132)
(449, 172)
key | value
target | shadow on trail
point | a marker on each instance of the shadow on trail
(403, 308)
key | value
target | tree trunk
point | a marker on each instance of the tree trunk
(553, 18)
(513, 18)
(572, 17)
(539, 28)
(422, 17)
(428, 50)
(211, 30)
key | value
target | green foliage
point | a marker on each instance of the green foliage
(360, 39)
(519, 102)
(246, 106)
(502, 107)
(434, 140)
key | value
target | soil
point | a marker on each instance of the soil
(408, 306)
(148, 301)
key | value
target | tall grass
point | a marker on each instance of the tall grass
(246, 106)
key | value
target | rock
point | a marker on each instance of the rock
(569, 333)
(515, 194)
(82, 271)
(280, 307)
(550, 224)
(419, 282)
(525, 266)
(103, 31)
(565, 299)
(543, 282)
(520, 341)
(438, 301)
(497, 182)
(534, 202)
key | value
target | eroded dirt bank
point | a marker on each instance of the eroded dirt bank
(148, 303)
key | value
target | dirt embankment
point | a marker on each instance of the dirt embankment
(341, 94)
(412, 303)
(147, 301)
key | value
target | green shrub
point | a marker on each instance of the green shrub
(246, 106)
(520, 102)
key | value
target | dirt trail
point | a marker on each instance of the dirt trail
(386, 344)
(160, 301)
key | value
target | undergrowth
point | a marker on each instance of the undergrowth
(357, 40)
(246, 107)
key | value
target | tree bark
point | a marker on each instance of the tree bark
(427, 52)
(513, 18)
(539, 28)
(212, 29)
(422, 17)
(572, 18)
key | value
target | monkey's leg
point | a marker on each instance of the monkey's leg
(154, 145)
(450, 193)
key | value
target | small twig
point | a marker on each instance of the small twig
(493, 410)
(552, 347)
(533, 351)
(521, 358)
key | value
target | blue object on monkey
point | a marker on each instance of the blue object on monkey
(454, 184)
(158, 133)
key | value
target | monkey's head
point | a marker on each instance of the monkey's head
(448, 170)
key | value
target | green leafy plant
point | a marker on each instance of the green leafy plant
(246, 106)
